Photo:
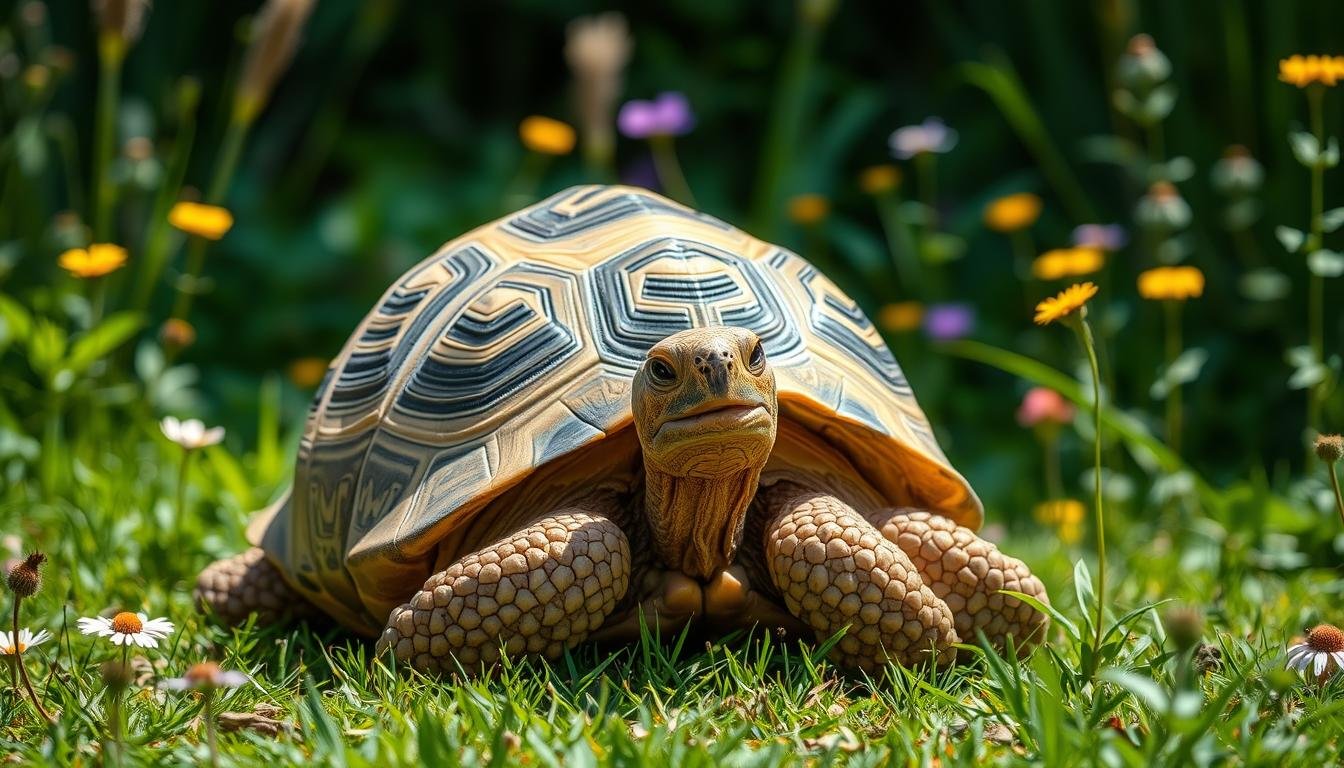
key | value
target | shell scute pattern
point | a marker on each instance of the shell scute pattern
(515, 345)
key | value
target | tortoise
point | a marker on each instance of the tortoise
(609, 411)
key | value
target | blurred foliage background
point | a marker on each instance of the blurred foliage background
(395, 129)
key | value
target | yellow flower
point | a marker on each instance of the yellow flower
(307, 372)
(1068, 301)
(1171, 283)
(880, 179)
(1068, 262)
(97, 260)
(546, 136)
(1065, 515)
(208, 221)
(808, 209)
(1013, 212)
(1304, 70)
(901, 316)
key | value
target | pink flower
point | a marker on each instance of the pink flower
(1044, 406)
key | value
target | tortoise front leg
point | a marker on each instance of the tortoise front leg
(835, 571)
(539, 590)
(969, 574)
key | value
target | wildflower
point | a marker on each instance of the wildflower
(1302, 70)
(25, 578)
(208, 221)
(1142, 66)
(1013, 212)
(808, 209)
(307, 372)
(668, 115)
(1237, 173)
(1103, 237)
(1171, 283)
(1162, 207)
(275, 38)
(901, 316)
(1068, 301)
(177, 334)
(8, 646)
(190, 434)
(880, 179)
(1065, 515)
(546, 136)
(949, 322)
(1321, 653)
(128, 629)
(206, 674)
(120, 21)
(597, 49)
(1042, 405)
(1067, 262)
(95, 261)
(932, 136)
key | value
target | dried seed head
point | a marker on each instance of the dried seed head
(1208, 658)
(275, 37)
(121, 20)
(1330, 448)
(25, 578)
(1326, 638)
(1185, 625)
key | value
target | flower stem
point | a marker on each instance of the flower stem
(23, 671)
(211, 737)
(111, 54)
(1339, 497)
(181, 510)
(926, 166)
(1084, 332)
(1316, 295)
(669, 169)
(899, 242)
(1173, 334)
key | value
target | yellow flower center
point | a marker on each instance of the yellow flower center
(546, 135)
(127, 623)
(1326, 639)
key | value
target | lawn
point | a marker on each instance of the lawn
(200, 201)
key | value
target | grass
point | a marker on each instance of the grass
(116, 542)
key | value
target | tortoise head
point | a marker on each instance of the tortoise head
(706, 411)
(704, 403)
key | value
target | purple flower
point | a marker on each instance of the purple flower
(932, 135)
(1103, 237)
(949, 322)
(668, 115)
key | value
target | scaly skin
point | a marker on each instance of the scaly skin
(538, 591)
(247, 583)
(835, 571)
(967, 573)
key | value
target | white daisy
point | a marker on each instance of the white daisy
(26, 640)
(190, 434)
(207, 674)
(1321, 654)
(128, 628)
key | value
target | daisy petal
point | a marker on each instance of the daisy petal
(231, 679)
(1321, 660)
(175, 684)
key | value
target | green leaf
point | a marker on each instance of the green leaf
(1324, 263)
(1183, 370)
(1306, 148)
(1330, 158)
(46, 347)
(16, 320)
(1291, 239)
(108, 335)
(1135, 435)
(1332, 219)
(1143, 688)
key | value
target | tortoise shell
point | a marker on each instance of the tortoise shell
(516, 344)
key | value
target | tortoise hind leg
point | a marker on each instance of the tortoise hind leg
(247, 583)
(969, 574)
(538, 590)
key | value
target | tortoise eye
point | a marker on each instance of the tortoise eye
(661, 372)
(757, 360)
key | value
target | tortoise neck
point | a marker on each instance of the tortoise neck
(697, 522)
